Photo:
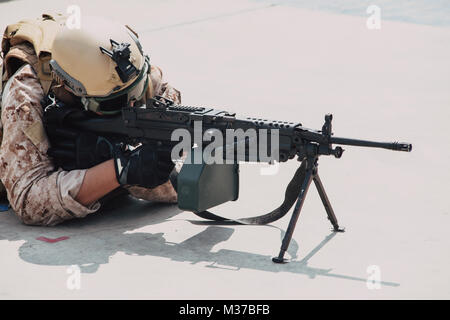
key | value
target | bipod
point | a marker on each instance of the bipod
(311, 174)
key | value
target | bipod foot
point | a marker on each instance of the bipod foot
(338, 229)
(280, 260)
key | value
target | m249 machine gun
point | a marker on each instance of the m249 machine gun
(204, 185)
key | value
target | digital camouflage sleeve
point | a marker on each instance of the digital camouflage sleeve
(39, 194)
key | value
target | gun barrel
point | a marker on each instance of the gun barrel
(397, 146)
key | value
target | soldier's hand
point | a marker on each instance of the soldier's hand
(145, 166)
(72, 149)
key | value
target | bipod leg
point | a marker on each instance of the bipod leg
(310, 167)
(326, 203)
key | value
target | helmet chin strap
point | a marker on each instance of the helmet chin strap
(89, 104)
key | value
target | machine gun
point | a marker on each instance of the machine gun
(204, 185)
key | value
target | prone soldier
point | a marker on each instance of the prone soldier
(51, 172)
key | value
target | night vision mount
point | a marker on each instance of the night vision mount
(120, 54)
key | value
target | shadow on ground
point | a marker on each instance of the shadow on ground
(96, 238)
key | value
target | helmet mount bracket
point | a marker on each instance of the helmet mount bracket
(120, 54)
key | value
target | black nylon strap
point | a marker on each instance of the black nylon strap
(290, 196)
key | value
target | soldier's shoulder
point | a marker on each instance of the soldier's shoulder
(21, 94)
(26, 72)
(24, 80)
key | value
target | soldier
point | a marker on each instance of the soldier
(50, 171)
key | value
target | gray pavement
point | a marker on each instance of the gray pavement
(279, 62)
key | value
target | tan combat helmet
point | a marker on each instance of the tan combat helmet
(102, 63)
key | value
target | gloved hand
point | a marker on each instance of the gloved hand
(71, 148)
(144, 166)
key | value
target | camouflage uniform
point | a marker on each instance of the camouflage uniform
(39, 194)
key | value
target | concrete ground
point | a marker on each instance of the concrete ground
(279, 62)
